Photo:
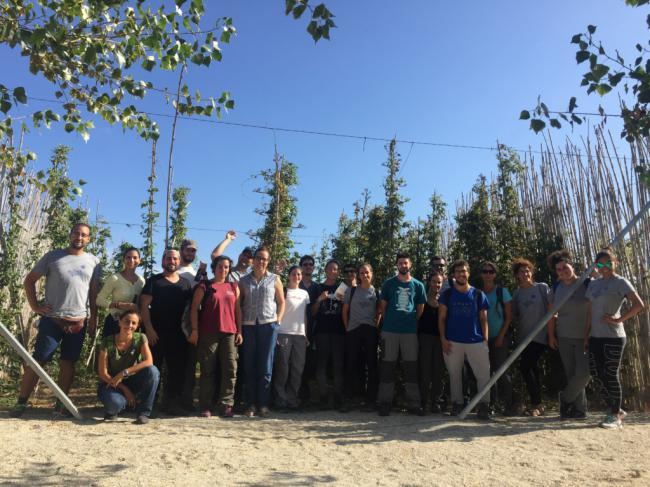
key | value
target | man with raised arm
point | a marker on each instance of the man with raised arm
(71, 286)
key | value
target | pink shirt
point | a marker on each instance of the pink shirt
(218, 308)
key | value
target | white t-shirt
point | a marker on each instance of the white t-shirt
(295, 306)
(187, 272)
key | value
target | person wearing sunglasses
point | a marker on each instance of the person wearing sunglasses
(566, 334)
(499, 316)
(605, 334)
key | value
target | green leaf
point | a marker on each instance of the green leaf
(5, 106)
(591, 28)
(603, 89)
(289, 4)
(572, 104)
(555, 123)
(299, 10)
(19, 95)
(582, 56)
(598, 71)
(576, 119)
(537, 125)
(524, 115)
(576, 38)
(149, 63)
(616, 78)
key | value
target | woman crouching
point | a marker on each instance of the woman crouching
(127, 375)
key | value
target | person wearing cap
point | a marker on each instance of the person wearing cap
(189, 248)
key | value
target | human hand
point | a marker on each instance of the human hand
(610, 320)
(152, 336)
(43, 310)
(323, 296)
(116, 379)
(194, 337)
(446, 346)
(239, 339)
(130, 397)
(552, 342)
(498, 341)
(231, 235)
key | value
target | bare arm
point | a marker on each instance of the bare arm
(279, 298)
(102, 367)
(197, 297)
(382, 307)
(239, 339)
(442, 325)
(345, 314)
(30, 291)
(221, 246)
(145, 301)
(482, 315)
(92, 298)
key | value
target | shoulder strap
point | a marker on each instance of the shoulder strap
(352, 291)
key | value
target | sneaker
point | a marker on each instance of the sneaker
(142, 419)
(249, 412)
(264, 412)
(621, 414)
(416, 411)
(384, 409)
(611, 421)
(60, 411)
(206, 413)
(456, 409)
(226, 411)
(484, 411)
(19, 409)
(110, 417)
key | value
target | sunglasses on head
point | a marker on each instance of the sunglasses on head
(488, 271)
(606, 264)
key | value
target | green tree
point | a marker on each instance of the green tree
(608, 71)
(279, 210)
(475, 230)
(179, 215)
(393, 215)
(149, 219)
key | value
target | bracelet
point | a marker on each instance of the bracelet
(125, 373)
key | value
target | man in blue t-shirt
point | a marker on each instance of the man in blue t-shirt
(462, 319)
(402, 303)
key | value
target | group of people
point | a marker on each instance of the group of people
(260, 343)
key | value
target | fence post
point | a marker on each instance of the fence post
(36, 367)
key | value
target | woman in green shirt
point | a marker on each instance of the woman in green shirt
(126, 371)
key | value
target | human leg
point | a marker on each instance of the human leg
(478, 356)
(425, 366)
(296, 366)
(207, 354)
(143, 384)
(227, 352)
(250, 353)
(389, 356)
(409, 351)
(529, 367)
(281, 369)
(454, 360)
(266, 338)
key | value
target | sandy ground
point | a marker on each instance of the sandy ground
(321, 448)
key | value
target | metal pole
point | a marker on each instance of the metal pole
(542, 323)
(36, 367)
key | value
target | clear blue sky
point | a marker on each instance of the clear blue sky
(446, 72)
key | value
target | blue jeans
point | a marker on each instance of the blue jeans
(259, 348)
(50, 336)
(143, 385)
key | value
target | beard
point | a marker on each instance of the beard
(403, 271)
(170, 267)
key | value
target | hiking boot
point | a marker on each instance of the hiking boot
(611, 421)
(456, 408)
(19, 409)
(484, 412)
(384, 409)
(142, 419)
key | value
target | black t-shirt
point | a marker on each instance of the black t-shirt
(330, 317)
(168, 301)
(428, 323)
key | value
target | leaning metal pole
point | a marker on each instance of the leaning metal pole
(36, 367)
(542, 323)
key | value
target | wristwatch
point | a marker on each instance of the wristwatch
(125, 373)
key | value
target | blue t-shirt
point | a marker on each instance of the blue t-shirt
(402, 300)
(496, 314)
(463, 324)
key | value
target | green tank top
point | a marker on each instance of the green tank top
(118, 361)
